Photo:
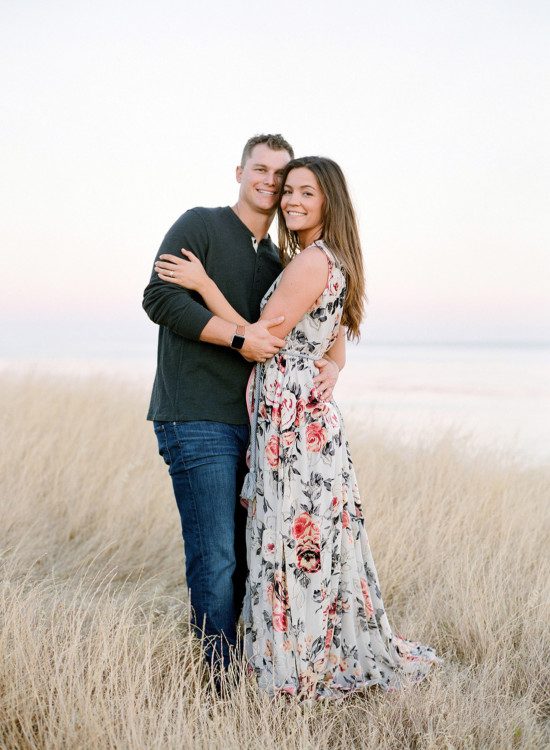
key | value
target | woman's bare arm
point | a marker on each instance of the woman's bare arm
(259, 342)
(217, 303)
(302, 282)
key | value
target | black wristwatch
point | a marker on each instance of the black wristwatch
(238, 338)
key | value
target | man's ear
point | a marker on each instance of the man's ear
(238, 173)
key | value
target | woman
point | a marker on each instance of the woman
(315, 623)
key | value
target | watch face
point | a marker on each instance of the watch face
(237, 342)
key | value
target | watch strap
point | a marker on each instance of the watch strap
(238, 338)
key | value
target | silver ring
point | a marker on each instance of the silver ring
(172, 274)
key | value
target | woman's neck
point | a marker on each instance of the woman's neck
(309, 236)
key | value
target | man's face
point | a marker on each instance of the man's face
(260, 178)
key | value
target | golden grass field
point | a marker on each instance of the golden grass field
(95, 650)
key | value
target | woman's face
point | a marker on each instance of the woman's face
(302, 204)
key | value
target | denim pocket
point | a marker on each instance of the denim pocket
(164, 450)
(204, 442)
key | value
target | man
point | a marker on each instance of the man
(203, 363)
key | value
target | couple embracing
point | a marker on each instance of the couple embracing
(251, 341)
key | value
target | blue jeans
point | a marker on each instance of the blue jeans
(206, 461)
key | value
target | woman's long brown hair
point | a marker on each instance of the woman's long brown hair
(339, 233)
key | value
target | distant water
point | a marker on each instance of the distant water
(498, 395)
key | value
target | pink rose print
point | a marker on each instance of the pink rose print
(280, 622)
(272, 451)
(308, 549)
(300, 525)
(316, 437)
(312, 399)
(300, 409)
(288, 438)
(366, 596)
(279, 600)
(305, 528)
(268, 545)
(308, 553)
(319, 410)
(332, 420)
(272, 391)
(345, 519)
(288, 409)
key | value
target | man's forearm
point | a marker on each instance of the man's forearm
(188, 318)
(218, 331)
(175, 309)
(258, 345)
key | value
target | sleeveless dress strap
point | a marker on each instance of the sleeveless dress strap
(321, 245)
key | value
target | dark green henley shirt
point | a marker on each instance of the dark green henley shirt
(196, 380)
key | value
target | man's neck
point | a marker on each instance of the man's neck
(256, 222)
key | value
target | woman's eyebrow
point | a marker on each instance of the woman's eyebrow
(300, 187)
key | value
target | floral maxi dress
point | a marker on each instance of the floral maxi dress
(315, 623)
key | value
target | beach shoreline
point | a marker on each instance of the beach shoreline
(495, 396)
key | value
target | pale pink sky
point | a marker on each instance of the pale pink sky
(118, 116)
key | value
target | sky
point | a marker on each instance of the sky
(116, 117)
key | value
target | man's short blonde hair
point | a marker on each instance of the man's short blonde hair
(273, 141)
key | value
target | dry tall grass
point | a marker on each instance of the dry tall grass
(95, 650)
